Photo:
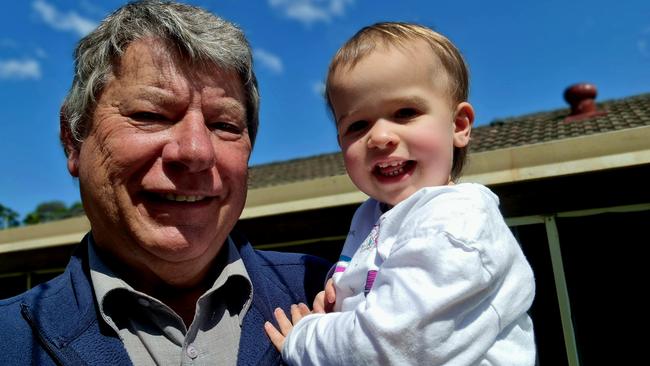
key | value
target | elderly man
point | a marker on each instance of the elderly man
(158, 127)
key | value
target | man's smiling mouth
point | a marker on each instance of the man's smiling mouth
(173, 197)
(183, 198)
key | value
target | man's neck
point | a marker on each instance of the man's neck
(181, 287)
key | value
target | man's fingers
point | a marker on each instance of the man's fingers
(276, 337)
(283, 321)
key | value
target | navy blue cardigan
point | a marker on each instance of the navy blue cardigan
(57, 321)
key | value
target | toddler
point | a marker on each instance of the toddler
(429, 274)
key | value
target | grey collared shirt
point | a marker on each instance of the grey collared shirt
(153, 334)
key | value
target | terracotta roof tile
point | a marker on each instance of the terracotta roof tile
(296, 170)
(548, 126)
(510, 132)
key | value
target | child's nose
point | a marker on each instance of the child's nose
(381, 136)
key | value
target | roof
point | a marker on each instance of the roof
(296, 170)
(509, 151)
(529, 129)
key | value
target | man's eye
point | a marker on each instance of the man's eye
(406, 113)
(148, 117)
(357, 126)
(226, 127)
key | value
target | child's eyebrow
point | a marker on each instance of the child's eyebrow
(342, 116)
(411, 100)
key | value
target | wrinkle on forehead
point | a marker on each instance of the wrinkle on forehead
(169, 64)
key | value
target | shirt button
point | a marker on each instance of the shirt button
(191, 351)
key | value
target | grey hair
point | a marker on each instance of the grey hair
(200, 37)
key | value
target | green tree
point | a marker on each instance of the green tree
(51, 211)
(76, 209)
(8, 217)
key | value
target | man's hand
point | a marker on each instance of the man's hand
(325, 300)
(286, 326)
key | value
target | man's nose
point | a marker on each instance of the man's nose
(191, 145)
(382, 135)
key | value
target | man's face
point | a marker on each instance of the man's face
(163, 170)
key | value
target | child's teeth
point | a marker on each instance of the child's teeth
(386, 165)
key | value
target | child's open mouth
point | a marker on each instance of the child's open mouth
(393, 169)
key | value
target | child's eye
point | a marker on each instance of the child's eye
(357, 126)
(406, 113)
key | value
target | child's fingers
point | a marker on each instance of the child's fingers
(297, 313)
(330, 296)
(319, 303)
(276, 337)
(330, 292)
(304, 310)
(283, 321)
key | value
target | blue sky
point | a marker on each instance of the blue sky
(522, 54)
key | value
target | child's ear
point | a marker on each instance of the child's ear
(463, 120)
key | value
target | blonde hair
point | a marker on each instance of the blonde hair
(365, 41)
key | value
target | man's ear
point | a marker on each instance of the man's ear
(463, 120)
(70, 145)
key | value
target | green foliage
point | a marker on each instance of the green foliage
(52, 211)
(44, 212)
(76, 209)
(8, 217)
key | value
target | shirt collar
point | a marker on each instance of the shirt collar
(105, 281)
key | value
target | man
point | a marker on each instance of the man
(158, 127)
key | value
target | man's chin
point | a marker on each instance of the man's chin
(177, 246)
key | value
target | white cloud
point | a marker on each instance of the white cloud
(318, 87)
(268, 60)
(90, 8)
(69, 21)
(310, 11)
(40, 52)
(20, 69)
(643, 43)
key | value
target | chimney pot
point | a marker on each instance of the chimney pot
(581, 97)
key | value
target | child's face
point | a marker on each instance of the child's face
(395, 122)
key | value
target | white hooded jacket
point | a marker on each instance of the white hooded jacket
(436, 280)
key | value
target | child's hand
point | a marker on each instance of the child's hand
(286, 325)
(325, 300)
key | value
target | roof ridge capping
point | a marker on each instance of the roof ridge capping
(566, 111)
